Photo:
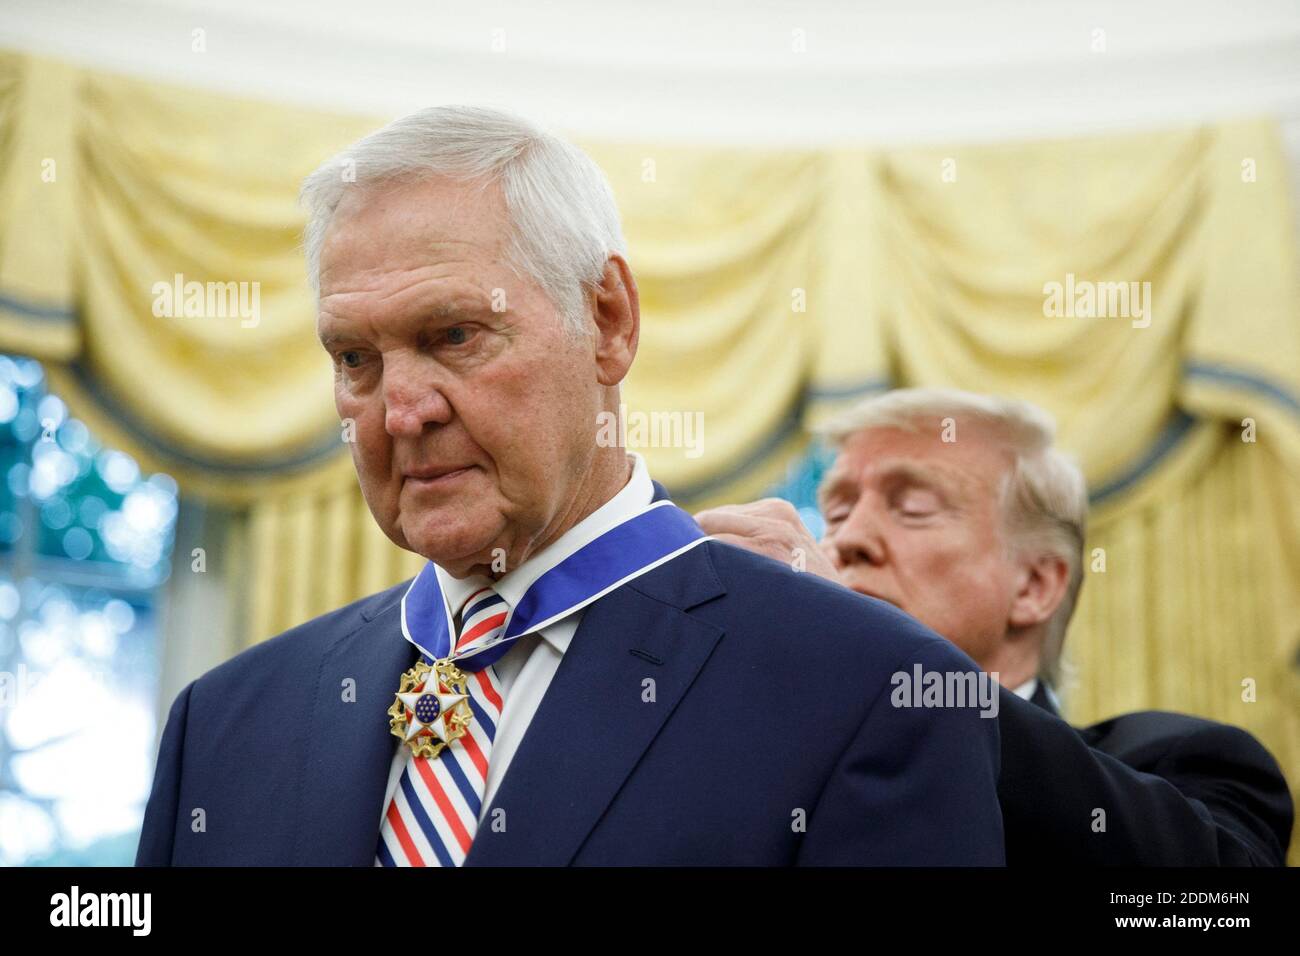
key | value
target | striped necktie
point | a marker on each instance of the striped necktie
(433, 816)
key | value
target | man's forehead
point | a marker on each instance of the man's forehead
(407, 224)
(434, 197)
(857, 470)
(409, 254)
(878, 453)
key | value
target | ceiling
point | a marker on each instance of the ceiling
(762, 71)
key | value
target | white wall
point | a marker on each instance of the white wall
(955, 70)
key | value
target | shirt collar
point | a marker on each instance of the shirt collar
(634, 496)
(1026, 690)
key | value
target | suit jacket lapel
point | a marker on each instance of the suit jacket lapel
(1043, 699)
(595, 722)
(348, 747)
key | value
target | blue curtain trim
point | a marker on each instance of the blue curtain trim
(1176, 429)
(29, 310)
(318, 452)
(831, 393)
(790, 425)
(1237, 378)
(1174, 432)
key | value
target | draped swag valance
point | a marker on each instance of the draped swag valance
(776, 286)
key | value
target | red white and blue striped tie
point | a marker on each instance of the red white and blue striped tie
(433, 816)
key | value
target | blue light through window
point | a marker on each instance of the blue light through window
(85, 544)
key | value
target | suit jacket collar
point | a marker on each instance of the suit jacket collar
(593, 725)
(1043, 699)
(587, 735)
(347, 746)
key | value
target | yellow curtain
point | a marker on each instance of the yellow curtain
(776, 287)
(117, 192)
(134, 190)
(1186, 420)
(1196, 606)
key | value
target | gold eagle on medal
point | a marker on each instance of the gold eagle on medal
(431, 708)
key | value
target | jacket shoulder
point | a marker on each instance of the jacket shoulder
(779, 605)
(1171, 744)
(1157, 734)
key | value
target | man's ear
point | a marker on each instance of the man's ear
(1041, 588)
(616, 313)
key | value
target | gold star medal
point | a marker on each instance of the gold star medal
(431, 708)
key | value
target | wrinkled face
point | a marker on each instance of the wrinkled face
(918, 522)
(474, 411)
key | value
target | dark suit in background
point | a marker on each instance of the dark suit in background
(1176, 791)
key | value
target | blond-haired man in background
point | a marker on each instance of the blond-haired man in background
(959, 509)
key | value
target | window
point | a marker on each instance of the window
(85, 544)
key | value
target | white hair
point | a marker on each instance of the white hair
(564, 221)
(1046, 497)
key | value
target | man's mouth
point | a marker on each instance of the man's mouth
(435, 477)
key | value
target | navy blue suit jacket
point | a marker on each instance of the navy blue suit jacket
(1176, 790)
(770, 739)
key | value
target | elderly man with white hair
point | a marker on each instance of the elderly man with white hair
(577, 675)
(958, 509)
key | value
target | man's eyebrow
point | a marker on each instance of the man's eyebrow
(938, 477)
(921, 474)
(328, 339)
(459, 308)
(933, 475)
(833, 482)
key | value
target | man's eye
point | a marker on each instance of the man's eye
(918, 503)
(350, 359)
(457, 335)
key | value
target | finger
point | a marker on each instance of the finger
(753, 545)
(777, 508)
(732, 522)
(726, 509)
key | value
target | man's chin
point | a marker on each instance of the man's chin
(455, 547)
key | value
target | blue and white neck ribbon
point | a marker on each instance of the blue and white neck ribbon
(623, 552)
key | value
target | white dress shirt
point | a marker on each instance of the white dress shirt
(1026, 690)
(525, 671)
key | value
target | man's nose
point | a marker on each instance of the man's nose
(413, 397)
(858, 539)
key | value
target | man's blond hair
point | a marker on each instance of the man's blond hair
(1045, 495)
